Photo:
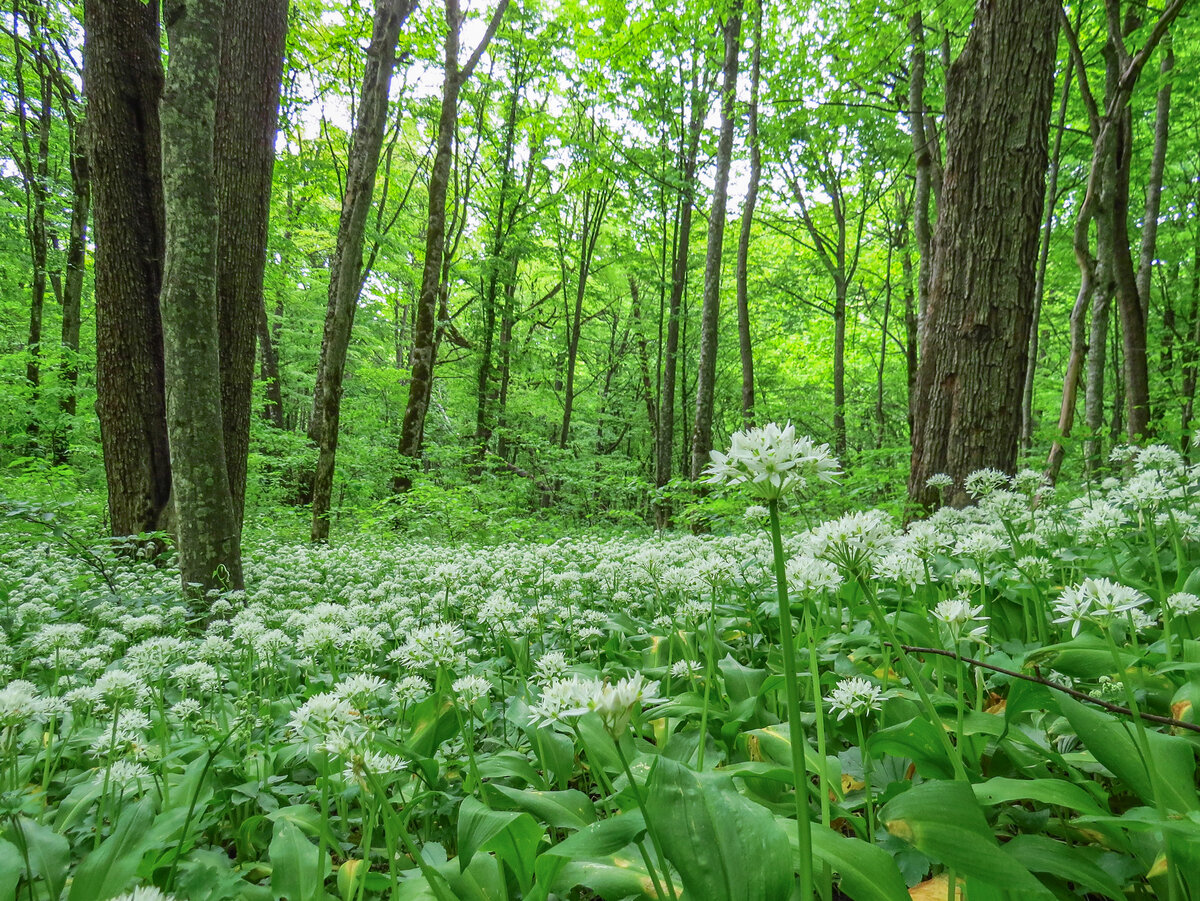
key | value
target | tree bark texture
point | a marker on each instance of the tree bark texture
(345, 276)
(711, 308)
(247, 115)
(209, 540)
(972, 370)
(122, 84)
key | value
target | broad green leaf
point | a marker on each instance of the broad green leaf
(12, 868)
(477, 825)
(866, 872)
(1058, 792)
(1042, 854)
(943, 820)
(569, 809)
(918, 740)
(298, 868)
(1115, 744)
(106, 871)
(48, 852)
(722, 845)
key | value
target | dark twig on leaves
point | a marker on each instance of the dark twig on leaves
(1040, 680)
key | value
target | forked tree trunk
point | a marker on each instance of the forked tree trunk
(972, 369)
(710, 311)
(209, 538)
(122, 84)
(345, 277)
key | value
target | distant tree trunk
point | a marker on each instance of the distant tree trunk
(247, 116)
(345, 277)
(664, 448)
(910, 331)
(1135, 363)
(1191, 348)
(424, 349)
(743, 251)
(273, 408)
(209, 537)
(595, 205)
(507, 314)
(34, 166)
(973, 346)
(1039, 289)
(924, 146)
(122, 84)
(880, 422)
(1154, 184)
(710, 312)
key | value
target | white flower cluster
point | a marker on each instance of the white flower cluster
(1100, 601)
(770, 461)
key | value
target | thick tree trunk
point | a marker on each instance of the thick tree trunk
(972, 370)
(1039, 290)
(745, 344)
(345, 277)
(209, 537)
(1154, 181)
(424, 348)
(1135, 363)
(710, 312)
(247, 117)
(925, 150)
(72, 296)
(122, 84)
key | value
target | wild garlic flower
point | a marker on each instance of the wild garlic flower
(809, 575)
(685, 669)
(939, 480)
(614, 703)
(1183, 603)
(471, 689)
(771, 461)
(855, 696)
(144, 893)
(1096, 600)
(982, 482)
(961, 619)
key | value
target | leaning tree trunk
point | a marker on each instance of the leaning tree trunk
(745, 345)
(345, 277)
(122, 85)
(209, 538)
(710, 309)
(425, 333)
(246, 123)
(972, 369)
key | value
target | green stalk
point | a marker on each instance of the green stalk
(792, 690)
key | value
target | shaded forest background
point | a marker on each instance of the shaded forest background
(563, 323)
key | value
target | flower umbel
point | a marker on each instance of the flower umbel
(771, 461)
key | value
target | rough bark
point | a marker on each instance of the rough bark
(72, 295)
(711, 307)
(345, 277)
(269, 370)
(1154, 180)
(209, 540)
(924, 145)
(1135, 363)
(1191, 349)
(247, 115)
(424, 348)
(745, 345)
(972, 370)
(122, 84)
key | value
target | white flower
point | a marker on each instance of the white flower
(614, 703)
(960, 619)
(771, 461)
(1183, 603)
(983, 482)
(1096, 600)
(939, 480)
(471, 688)
(144, 893)
(808, 575)
(756, 513)
(854, 697)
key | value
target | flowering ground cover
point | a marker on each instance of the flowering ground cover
(997, 700)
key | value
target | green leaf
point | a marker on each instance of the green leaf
(724, 847)
(513, 836)
(569, 809)
(1045, 791)
(12, 868)
(943, 820)
(1115, 744)
(48, 852)
(297, 872)
(600, 857)
(918, 740)
(1042, 854)
(867, 872)
(106, 871)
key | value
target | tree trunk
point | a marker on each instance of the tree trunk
(880, 421)
(345, 277)
(664, 448)
(424, 348)
(710, 312)
(209, 537)
(247, 115)
(743, 250)
(1154, 183)
(122, 84)
(1039, 290)
(1135, 364)
(973, 346)
(924, 147)
(273, 408)
(1191, 348)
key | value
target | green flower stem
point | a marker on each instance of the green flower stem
(889, 633)
(650, 830)
(792, 690)
(709, 666)
(866, 765)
